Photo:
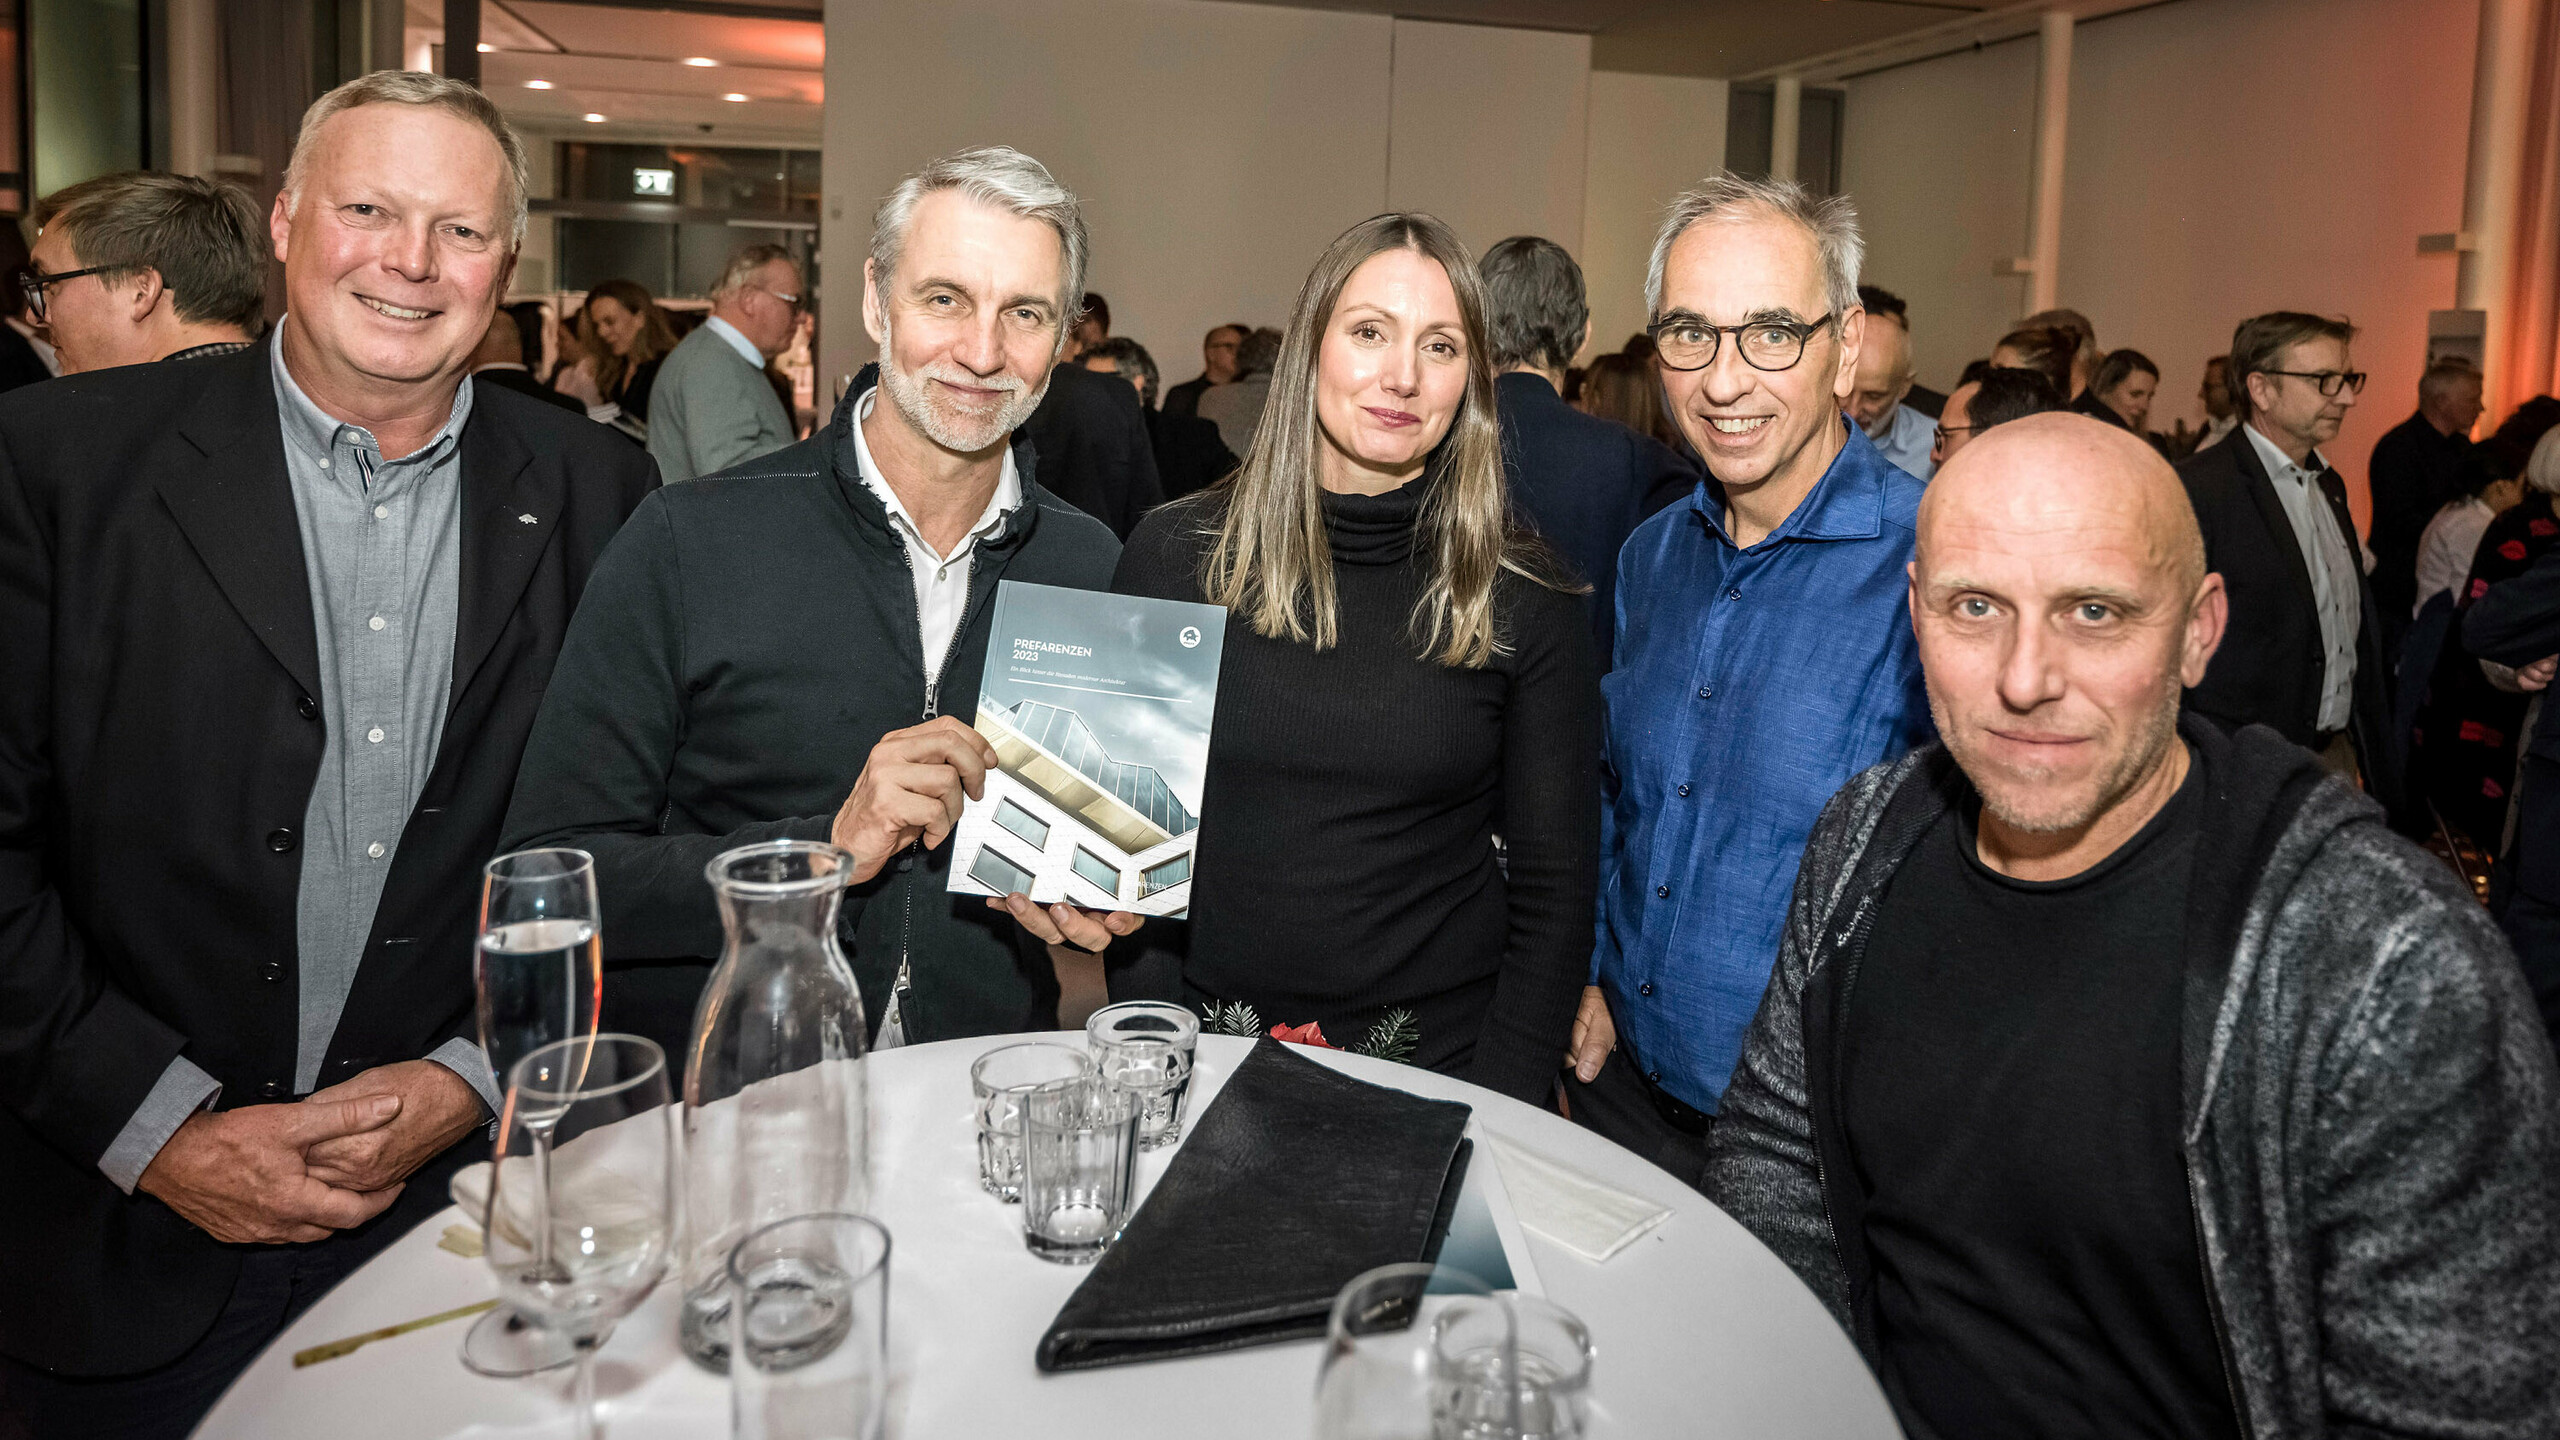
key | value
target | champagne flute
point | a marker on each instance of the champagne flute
(580, 1227)
(540, 975)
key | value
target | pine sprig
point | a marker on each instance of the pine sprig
(1236, 1018)
(1392, 1038)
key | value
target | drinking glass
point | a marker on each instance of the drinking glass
(809, 1330)
(1509, 1367)
(1079, 1168)
(999, 1081)
(579, 1228)
(539, 971)
(1377, 1380)
(1142, 1048)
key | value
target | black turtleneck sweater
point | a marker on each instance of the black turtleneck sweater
(1347, 866)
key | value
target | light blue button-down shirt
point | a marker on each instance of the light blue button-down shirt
(1907, 441)
(1751, 684)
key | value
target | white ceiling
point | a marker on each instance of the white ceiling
(628, 66)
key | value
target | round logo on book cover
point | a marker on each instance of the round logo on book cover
(1190, 636)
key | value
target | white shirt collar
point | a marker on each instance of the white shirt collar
(737, 341)
(1006, 500)
(2278, 463)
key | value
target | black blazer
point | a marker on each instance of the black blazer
(2516, 621)
(1091, 435)
(159, 735)
(523, 383)
(2269, 669)
(1585, 483)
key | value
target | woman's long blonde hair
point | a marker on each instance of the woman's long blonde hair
(1272, 563)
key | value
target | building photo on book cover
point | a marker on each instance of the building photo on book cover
(1098, 707)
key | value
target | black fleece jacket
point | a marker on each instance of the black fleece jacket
(746, 640)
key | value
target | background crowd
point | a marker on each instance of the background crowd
(1714, 739)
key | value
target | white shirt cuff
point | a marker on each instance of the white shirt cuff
(181, 1091)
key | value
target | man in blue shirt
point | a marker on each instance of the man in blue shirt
(1764, 653)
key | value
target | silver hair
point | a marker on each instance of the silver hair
(744, 266)
(413, 87)
(996, 175)
(1727, 198)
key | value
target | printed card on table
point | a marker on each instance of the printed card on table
(1098, 707)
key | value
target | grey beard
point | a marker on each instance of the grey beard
(968, 433)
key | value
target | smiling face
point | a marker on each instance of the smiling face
(2059, 596)
(968, 326)
(1391, 372)
(1756, 426)
(615, 325)
(394, 248)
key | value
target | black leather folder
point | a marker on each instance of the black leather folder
(1294, 1181)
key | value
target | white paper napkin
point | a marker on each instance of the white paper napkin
(1592, 1220)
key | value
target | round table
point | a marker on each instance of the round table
(1701, 1331)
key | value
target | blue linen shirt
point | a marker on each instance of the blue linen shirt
(1751, 684)
(1908, 441)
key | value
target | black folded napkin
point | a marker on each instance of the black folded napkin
(1297, 1179)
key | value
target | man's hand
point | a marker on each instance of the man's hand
(436, 1108)
(1595, 1034)
(2537, 676)
(239, 1175)
(912, 785)
(1091, 930)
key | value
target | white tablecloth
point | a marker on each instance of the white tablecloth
(1701, 1331)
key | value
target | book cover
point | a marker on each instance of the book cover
(1098, 706)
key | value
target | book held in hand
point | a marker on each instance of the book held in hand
(1098, 707)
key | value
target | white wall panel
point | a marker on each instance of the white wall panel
(1652, 136)
(1488, 130)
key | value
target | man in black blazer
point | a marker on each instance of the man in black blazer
(1585, 483)
(2516, 622)
(2302, 652)
(273, 629)
(2419, 466)
(1091, 435)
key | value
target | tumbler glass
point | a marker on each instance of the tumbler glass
(1513, 1366)
(1142, 1048)
(1000, 1080)
(1377, 1381)
(1079, 1169)
(809, 1330)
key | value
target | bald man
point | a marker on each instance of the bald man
(2123, 1076)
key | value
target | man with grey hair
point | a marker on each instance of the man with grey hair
(1764, 647)
(713, 407)
(274, 630)
(1584, 482)
(2420, 465)
(693, 711)
(138, 266)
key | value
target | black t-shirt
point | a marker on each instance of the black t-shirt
(2010, 1074)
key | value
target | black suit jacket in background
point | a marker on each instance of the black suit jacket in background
(1585, 483)
(2415, 470)
(523, 383)
(1095, 454)
(1184, 399)
(1190, 453)
(2515, 622)
(159, 736)
(2270, 667)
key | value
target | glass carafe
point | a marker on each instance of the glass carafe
(775, 1105)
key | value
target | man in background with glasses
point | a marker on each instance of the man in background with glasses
(2303, 653)
(136, 267)
(713, 407)
(1764, 652)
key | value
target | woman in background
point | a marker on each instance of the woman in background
(1401, 817)
(627, 337)
(2121, 392)
(1623, 388)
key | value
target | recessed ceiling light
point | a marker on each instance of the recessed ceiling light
(537, 84)
(733, 97)
(486, 48)
(595, 119)
(703, 62)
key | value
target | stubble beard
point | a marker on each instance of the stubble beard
(2013, 797)
(954, 427)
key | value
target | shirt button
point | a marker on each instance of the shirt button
(274, 971)
(1661, 892)
(374, 849)
(375, 735)
(1645, 989)
(1733, 594)
(1654, 1075)
(1684, 792)
(280, 840)
(324, 462)
(1706, 692)
(381, 512)
(376, 623)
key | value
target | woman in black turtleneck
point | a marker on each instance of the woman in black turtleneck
(1406, 677)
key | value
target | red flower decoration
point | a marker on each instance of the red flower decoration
(2479, 734)
(2544, 527)
(1310, 1033)
(2513, 549)
(2479, 588)
(2493, 789)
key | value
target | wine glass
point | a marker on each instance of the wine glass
(580, 1226)
(539, 970)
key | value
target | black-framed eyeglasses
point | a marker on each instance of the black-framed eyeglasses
(2329, 381)
(31, 283)
(1687, 343)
